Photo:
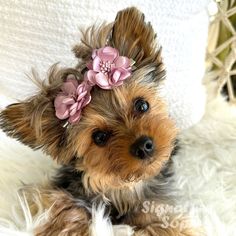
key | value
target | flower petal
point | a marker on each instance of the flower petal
(62, 112)
(125, 75)
(96, 64)
(75, 118)
(88, 87)
(68, 101)
(74, 82)
(81, 88)
(90, 76)
(74, 105)
(59, 100)
(102, 81)
(72, 78)
(68, 87)
(107, 54)
(94, 53)
(73, 109)
(115, 76)
(87, 100)
(81, 95)
(80, 104)
(122, 62)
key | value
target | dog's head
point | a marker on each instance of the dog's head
(124, 134)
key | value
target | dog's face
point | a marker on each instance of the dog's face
(125, 134)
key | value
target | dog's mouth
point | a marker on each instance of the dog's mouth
(149, 160)
(149, 167)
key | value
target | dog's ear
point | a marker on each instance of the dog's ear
(130, 34)
(33, 122)
(134, 38)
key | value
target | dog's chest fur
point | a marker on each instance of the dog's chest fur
(119, 203)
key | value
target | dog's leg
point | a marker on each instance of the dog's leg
(146, 224)
(64, 215)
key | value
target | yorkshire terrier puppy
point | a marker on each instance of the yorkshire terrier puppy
(105, 122)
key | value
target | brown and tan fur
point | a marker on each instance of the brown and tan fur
(108, 172)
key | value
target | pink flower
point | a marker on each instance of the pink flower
(74, 96)
(107, 69)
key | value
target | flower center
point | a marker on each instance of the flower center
(105, 67)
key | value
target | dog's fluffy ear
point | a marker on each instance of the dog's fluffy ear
(33, 122)
(129, 33)
(134, 38)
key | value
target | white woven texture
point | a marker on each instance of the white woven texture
(39, 33)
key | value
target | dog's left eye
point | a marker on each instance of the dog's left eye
(141, 106)
(100, 138)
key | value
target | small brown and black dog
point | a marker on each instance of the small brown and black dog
(119, 147)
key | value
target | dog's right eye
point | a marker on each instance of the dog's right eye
(141, 106)
(100, 138)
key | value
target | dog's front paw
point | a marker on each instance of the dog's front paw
(122, 230)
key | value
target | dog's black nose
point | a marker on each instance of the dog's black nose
(142, 148)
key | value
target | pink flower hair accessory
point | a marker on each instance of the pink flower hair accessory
(106, 69)
(71, 100)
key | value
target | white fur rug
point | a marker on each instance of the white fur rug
(205, 177)
(206, 169)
